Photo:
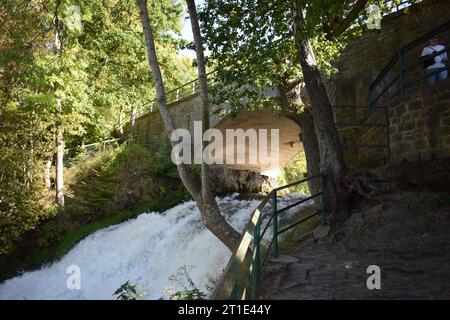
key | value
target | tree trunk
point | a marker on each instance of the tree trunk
(59, 135)
(48, 167)
(121, 122)
(332, 162)
(311, 147)
(59, 165)
(132, 119)
(212, 218)
(291, 102)
(213, 221)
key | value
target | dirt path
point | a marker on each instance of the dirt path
(408, 237)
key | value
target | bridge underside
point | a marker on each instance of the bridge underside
(289, 144)
(149, 129)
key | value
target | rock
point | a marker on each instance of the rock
(242, 181)
(413, 266)
(321, 232)
(375, 209)
(284, 258)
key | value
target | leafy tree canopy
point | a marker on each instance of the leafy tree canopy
(253, 48)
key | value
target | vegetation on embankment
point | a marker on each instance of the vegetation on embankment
(106, 188)
(293, 171)
(55, 99)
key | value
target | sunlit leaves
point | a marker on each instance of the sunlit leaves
(101, 69)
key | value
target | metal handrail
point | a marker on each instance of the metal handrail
(242, 275)
(185, 90)
(368, 123)
(399, 57)
(396, 8)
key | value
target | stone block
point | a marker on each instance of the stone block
(445, 121)
(421, 144)
(415, 105)
(442, 152)
(444, 97)
(321, 232)
(407, 125)
(420, 123)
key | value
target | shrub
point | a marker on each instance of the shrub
(293, 171)
(128, 291)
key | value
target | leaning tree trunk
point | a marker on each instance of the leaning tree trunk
(59, 135)
(331, 158)
(212, 218)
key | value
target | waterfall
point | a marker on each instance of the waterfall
(146, 251)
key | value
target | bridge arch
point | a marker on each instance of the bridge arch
(188, 110)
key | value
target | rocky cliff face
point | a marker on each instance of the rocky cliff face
(405, 232)
(242, 181)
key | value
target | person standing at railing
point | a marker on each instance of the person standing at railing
(432, 64)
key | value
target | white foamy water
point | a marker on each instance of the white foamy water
(146, 251)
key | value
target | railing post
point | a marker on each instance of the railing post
(402, 72)
(234, 292)
(177, 95)
(275, 224)
(322, 201)
(256, 260)
(388, 135)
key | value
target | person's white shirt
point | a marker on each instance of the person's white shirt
(437, 59)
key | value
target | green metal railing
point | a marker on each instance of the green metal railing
(403, 67)
(180, 93)
(242, 276)
(382, 140)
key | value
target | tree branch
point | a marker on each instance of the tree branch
(337, 30)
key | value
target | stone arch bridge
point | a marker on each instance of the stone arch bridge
(188, 109)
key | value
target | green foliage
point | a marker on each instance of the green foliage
(160, 163)
(194, 294)
(290, 239)
(53, 232)
(253, 47)
(190, 290)
(21, 175)
(100, 70)
(128, 291)
(293, 171)
(123, 176)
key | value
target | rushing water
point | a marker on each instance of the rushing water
(148, 250)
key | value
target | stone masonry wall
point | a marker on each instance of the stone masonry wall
(363, 60)
(420, 124)
(151, 126)
(184, 112)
